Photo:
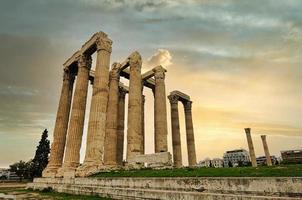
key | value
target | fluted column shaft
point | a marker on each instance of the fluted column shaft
(98, 108)
(160, 111)
(110, 149)
(190, 133)
(266, 151)
(61, 125)
(76, 125)
(134, 136)
(176, 143)
(120, 126)
(251, 147)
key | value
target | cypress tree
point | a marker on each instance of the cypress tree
(41, 157)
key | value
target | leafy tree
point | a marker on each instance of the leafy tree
(211, 165)
(41, 157)
(22, 169)
(230, 164)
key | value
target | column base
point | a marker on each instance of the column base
(90, 168)
(50, 172)
(66, 172)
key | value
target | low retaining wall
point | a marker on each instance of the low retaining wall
(177, 188)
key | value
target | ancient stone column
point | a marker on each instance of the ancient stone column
(266, 151)
(176, 144)
(98, 109)
(143, 125)
(120, 126)
(251, 146)
(160, 111)
(61, 125)
(190, 133)
(110, 148)
(134, 107)
(76, 124)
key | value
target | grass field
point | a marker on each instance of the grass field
(264, 171)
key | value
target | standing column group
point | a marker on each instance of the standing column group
(176, 139)
(76, 124)
(105, 132)
(61, 125)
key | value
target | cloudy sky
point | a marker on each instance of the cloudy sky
(240, 61)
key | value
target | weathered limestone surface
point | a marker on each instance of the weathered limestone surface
(110, 149)
(120, 126)
(76, 124)
(134, 136)
(190, 133)
(98, 109)
(266, 151)
(174, 188)
(61, 125)
(160, 111)
(155, 160)
(176, 144)
(251, 146)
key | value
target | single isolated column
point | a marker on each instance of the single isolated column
(134, 107)
(76, 125)
(110, 149)
(266, 151)
(120, 126)
(98, 109)
(251, 146)
(160, 111)
(190, 133)
(176, 144)
(61, 125)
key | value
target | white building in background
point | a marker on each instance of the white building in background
(217, 162)
(235, 157)
(204, 163)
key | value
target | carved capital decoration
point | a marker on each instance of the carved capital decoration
(135, 61)
(85, 61)
(115, 71)
(68, 75)
(188, 106)
(173, 99)
(159, 73)
(104, 43)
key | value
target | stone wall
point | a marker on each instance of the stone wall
(177, 188)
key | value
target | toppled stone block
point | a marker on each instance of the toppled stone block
(155, 160)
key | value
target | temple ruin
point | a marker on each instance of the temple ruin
(105, 135)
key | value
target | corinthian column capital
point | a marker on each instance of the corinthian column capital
(173, 99)
(68, 75)
(104, 43)
(135, 60)
(85, 61)
(188, 106)
(115, 71)
(159, 72)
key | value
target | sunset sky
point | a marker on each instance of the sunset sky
(240, 61)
